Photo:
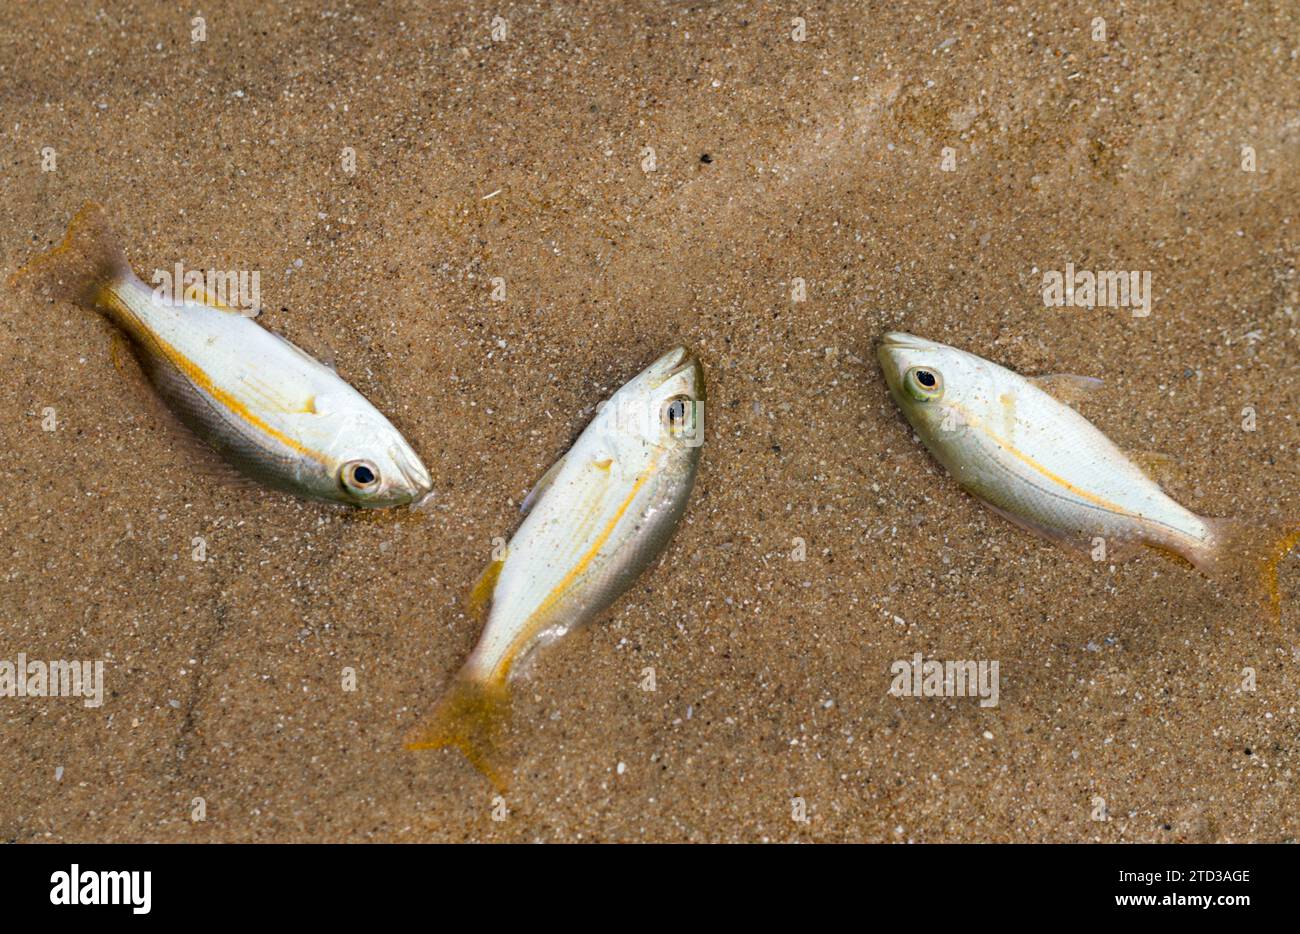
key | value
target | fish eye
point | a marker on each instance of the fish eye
(360, 476)
(923, 383)
(676, 411)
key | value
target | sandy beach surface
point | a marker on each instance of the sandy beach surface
(633, 176)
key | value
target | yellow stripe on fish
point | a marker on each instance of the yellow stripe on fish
(1056, 478)
(597, 519)
(248, 393)
(951, 397)
(540, 614)
(201, 379)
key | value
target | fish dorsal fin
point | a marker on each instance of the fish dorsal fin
(1067, 387)
(481, 594)
(541, 486)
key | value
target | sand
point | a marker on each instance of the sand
(775, 160)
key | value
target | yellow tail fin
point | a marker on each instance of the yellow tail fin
(472, 715)
(88, 259)
(1245, 558)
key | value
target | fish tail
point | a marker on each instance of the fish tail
(78, 269)
(472, 715)
(1244, 557)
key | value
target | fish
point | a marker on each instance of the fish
(593, 523)
(1012, 442)
(273, 412)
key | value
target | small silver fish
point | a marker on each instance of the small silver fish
(271, 410)
(594, 522)
(1009, 441)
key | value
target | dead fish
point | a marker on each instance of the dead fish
(1010, 441)
(272, 411)
(594, 522)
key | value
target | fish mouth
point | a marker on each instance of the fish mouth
(680, 361)
(671, 363)
(418, 482)
(423, 503)
(893, 351)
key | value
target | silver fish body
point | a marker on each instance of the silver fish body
(597, 519)
(1023, 451)
(1041, 464)
(272, 411)
(604, 515)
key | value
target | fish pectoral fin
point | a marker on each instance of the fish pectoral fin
(271, 398)
(473, 716)
(1068, 387)
(207, 463)
(481, 594)
(541, 486)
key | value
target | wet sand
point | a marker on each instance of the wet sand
(775, 160)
